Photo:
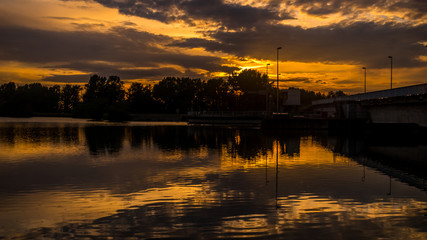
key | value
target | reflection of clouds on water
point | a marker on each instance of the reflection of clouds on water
(176, 212)
(128, 181)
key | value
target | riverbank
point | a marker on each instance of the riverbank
(336, 126)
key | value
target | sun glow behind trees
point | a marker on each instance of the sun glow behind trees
(104, 97)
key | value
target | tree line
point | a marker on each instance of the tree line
(104, 97)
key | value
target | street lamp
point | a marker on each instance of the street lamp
(266, 90)
(365, 77)
(277, 90)
(391, 71)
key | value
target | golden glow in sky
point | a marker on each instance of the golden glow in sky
(325, 43)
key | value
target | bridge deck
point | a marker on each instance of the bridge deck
(396, 92)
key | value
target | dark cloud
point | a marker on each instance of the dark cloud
(235, 16)
(129, 23)
(413, 8)
(364, 43)
(299, 80)
(258, 35)
(41, 46)
(60, 18)
(78, 78)
(84, 50)
(209, 45)
(349, 81)
(124, 74)
(227, 15)
(320, 82)
(87, 26)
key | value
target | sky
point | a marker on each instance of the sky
(325, 43)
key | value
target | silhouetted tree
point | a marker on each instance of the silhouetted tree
(180, 94)
(8, 99)
(106, 97)
(94, 88)
(333, 94)
(7, 90)
(70, 97)
(141, 99)
(218, 95)
(110, 90)
(102, 96)
(250, 80)
(307, 97)
(36, 98)
(250, 87)
(114, 90)
(54, 95)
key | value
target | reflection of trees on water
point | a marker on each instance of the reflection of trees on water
(139, 136)
(244, 143)
(8, 136)
(247, 144)
(38, 134)
(104, 138)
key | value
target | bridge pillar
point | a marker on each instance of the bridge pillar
(351, 110)
(399, 114)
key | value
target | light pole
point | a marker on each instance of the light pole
(391, 71)
(277, 90)
(266, 90)
(365, 77)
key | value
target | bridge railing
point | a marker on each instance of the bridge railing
(396, 92)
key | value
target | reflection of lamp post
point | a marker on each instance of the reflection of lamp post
(266, 168)
(391, 71)
(277, 91)
(365, 77)
(266, 90)
(364, 171)
(277, 168)
(389, 190)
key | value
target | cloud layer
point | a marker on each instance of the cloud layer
(225, 15)
(348, 33)
(363, 43)
(122, 51)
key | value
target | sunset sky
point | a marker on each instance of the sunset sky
(325, 43)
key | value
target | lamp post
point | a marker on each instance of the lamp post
(364, 68)
(266, 92)
(277, 90)
(391, 71)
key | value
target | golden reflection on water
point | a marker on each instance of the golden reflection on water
(315, 210)
(309, 153)
(61, 207)
(311, 190)
(23, 144)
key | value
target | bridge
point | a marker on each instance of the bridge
(405, 105)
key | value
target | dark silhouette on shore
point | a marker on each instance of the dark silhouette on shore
(107, 98)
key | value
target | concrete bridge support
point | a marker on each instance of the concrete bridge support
(399, 114)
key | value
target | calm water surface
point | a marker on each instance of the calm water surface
(66, 178)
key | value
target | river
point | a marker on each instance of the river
(73, 178)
